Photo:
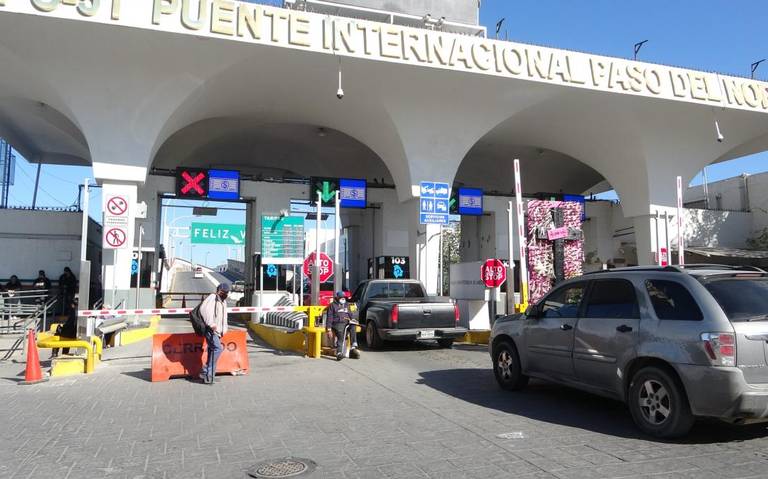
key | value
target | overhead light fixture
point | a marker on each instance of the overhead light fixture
(720, 137)
(321, 132)
(339, 92)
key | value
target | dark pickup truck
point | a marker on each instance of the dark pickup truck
(399, 310)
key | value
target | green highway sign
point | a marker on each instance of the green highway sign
(327, 188)
(217, 233)
(282, 240)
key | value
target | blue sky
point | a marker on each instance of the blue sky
(713, 35)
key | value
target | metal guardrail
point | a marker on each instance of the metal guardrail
(21, 311)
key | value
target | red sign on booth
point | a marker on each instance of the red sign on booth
(493, 273)
(326, 266)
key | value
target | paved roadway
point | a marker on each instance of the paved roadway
(403, 412)
(185, 282)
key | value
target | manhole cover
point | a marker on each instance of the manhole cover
(284, 467)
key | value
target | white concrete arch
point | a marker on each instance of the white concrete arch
(262, 89)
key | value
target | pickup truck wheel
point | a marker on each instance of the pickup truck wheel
(506, 367)
(372, 338)
(445, 343)
(658, 404)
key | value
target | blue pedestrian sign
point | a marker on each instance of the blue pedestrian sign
(434, 205)
(470, 201)
(352, 193)
(271, 271)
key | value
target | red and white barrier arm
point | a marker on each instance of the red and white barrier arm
(161, 312)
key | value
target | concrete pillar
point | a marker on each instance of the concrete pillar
(116, 274)
(424, 248)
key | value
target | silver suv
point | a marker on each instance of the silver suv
(674, 344)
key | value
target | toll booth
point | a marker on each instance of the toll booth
(389, 267)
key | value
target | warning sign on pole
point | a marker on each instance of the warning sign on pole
(117, 222)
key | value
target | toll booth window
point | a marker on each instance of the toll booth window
(672, 301)
(377, 291)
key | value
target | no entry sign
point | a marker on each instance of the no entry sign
(117, 221)
(493, 273)
(326, 266)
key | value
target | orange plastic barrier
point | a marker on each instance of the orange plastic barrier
(185, 354)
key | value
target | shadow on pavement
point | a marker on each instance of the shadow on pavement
(144, 374)
(569, 407)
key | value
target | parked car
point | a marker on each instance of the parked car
(198, 272)
(674, 344)
(400, 310)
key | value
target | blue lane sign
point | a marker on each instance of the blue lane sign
(223, 185)
(433, 202)
(352, 193)
(470, 201)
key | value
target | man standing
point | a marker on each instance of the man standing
(214, 312)
(340, 320)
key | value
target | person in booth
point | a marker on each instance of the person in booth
(342, 322)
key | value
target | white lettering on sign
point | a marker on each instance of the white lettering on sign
(246, 22)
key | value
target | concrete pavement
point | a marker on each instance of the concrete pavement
(415, 411)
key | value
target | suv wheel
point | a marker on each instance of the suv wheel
(658, 404)
(506, 367)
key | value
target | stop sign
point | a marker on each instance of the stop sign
(326, 266)
(493, 273)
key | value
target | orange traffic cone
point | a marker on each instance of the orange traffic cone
(34, 374)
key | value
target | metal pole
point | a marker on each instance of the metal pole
(84, 230)
(138, 272)
(521, 237)
(261, 286)
(316, 264)
(37, 183)
(666, 236)
(511, 272)
(301, 287)
(440, 261)
(425, 263)
(658, 243)
(706, 189)
(680, 223)
(337, 275)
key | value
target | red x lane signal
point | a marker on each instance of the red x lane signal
(191, 183)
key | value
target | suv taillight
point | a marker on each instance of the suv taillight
(456, 313)
(720, 347)
(394, 315)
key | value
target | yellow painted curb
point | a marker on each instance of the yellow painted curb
(279, 338)
(130, 336)
(477, 337)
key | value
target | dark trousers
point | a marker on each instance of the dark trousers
(342, 330)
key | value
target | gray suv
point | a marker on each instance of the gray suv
(672, 343)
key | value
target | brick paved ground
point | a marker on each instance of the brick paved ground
(404, 412)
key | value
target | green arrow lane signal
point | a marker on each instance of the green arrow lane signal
(327, 194)
(451, 202)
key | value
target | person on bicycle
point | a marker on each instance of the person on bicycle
(342, 321)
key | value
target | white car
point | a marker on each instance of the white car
(198, 272)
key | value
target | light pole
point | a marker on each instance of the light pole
(206, 257)
(754, 66)
(638, 46)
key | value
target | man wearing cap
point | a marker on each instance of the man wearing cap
(340, 314)
(214, 313)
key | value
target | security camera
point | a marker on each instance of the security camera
(339, 93)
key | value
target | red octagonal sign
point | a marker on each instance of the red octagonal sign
(493, 273)
(326, 266)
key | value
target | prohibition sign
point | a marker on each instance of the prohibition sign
(115, 237)
(117, 205)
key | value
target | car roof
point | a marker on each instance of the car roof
(690, 269)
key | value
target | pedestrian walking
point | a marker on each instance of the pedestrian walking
(67, 289)
(214, 313)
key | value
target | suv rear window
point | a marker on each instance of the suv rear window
(742, 299)
(672, 301)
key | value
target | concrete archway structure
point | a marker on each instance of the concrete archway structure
(132, 79)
